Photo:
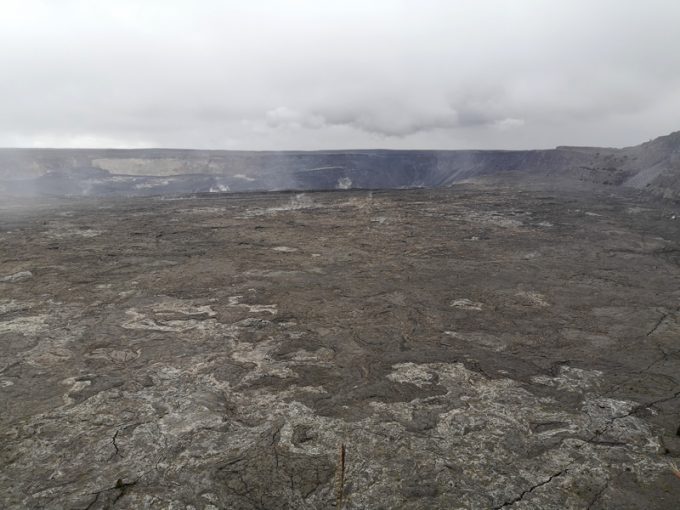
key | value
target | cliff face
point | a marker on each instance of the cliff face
(654, 166)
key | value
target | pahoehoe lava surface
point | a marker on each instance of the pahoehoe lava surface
(471, 347)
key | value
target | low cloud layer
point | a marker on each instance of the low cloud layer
(327, 74)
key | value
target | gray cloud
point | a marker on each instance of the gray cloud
(322, 74)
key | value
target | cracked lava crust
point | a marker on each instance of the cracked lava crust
(469, 347)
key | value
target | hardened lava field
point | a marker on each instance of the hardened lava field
(471, 347)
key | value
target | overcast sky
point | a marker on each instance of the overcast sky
(338, 74)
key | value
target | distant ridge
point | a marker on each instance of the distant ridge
(653, 166)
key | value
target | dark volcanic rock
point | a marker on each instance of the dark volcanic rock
(471, 347)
